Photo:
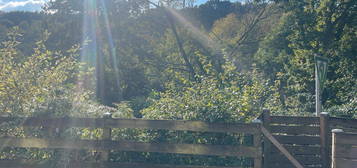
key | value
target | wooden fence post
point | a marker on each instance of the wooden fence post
(324, 139)
(257, 142)
(334, 136)
(107, 135)
(267, 144)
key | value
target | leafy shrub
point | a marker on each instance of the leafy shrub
(227, 97)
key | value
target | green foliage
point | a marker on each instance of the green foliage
(242, 62)
(281, 46)
(42, 83)
(347, 110)
(323, 28)
(233, 97)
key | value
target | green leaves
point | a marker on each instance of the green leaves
(232, 97)
(38, 83)
(320, 28)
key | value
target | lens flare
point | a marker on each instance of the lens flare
(198, 34)
(89, 38)
(111, 43)
(96, 35)
(89, 43)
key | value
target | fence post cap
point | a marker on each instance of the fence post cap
(324, 113)
(337, 131)
(107, 115)
(257, 121)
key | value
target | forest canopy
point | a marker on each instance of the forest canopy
(217, 61)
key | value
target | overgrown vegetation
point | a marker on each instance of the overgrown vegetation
(218, 62)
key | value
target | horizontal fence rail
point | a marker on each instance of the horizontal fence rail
(177, 125)
(86, 164)
(291, 120)
(196, 149)
(106, 144)
(348, 125)
(295, 130)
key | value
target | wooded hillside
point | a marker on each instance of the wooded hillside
(219, 61)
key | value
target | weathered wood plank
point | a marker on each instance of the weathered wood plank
(346, 139)
(289, 165)
(324, 139)
(258, 143)
(303, 159)
(138, 123)
(197, 149)
(345, 129)
(298, 140)
(267, 144)
(300, 150)
(286, 120)
(295, 130)
(138, 165)
(344, 123)
(77, 164)
(24, 164)
(346, 151)
(345, 163)
(107, 135)
(281, 148)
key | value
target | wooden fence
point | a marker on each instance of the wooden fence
(106, 144)
(344, 149)
(299, 135)
(307, 139)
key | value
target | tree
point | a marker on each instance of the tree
(312, 28)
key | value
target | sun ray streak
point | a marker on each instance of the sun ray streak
(89, 38)
(201, 36)
(111, 43)
(88, 54)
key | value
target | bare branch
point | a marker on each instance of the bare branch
(249, 28)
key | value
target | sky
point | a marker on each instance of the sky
(32, 5)
(21, 5)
